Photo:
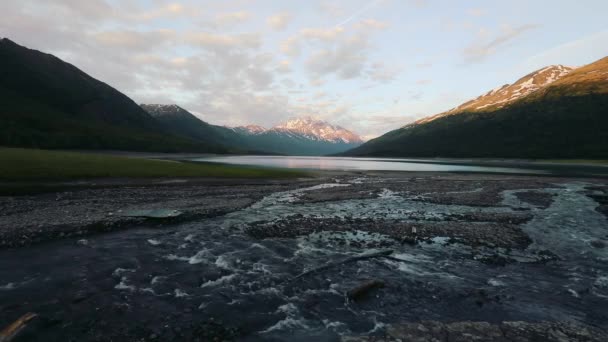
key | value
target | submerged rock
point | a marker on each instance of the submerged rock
(153, 213)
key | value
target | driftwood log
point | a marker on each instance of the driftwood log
(8, 333)
(364, 256)
(363, 289)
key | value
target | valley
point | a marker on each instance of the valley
(237, 171)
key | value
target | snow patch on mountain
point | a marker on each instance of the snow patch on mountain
(250, 129)
(308, 128)
(158, 110)
(508, 93)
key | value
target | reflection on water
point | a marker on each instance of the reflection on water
(369, 164)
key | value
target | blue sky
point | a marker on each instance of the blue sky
(370, 66)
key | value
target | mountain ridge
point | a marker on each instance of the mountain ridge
(507, 93)
(49, 103)
(566, 118)
(286, 139)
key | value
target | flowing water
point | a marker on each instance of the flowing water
(403, 164)
(212, 270)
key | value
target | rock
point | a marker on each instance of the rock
(598, 244)
(153, 213)
(473, 331)
(418, 332)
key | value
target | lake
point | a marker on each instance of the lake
(373, 164)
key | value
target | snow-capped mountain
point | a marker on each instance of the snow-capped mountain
(508, 93)
(309, 128)
(301, 136)
(250, 129)
(555, 113)
(320, 130)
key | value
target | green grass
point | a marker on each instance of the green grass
(23, 165)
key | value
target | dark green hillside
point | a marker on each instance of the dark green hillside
(48, 103)
(180, 122)
(565, 127)
(567, 119)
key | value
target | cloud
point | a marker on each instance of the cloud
(219, 40)
(331, 9)
(424, 65)
(476, 12)
(291, 46)
(93, 9)
(590, 47)
(330, 34)
(174, 52)
(141, 40)
(339, 52)
(317, 81)
(415, 95)
(346, 60)
(170, 10)
(419, 3)
(279, 21)
(231, 18)
(484, 47)
(357, 13)
(382, 73)
(284, 67)
(372, 24)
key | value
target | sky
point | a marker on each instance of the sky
(369, 66)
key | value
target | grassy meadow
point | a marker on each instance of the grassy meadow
(17, 164)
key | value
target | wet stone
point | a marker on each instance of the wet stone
(536, 198)
(469, 233)
(456, 272)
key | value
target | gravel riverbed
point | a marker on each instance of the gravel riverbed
(448, 257)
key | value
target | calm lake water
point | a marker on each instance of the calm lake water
(367, 164)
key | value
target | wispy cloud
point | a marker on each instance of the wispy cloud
(358, 13)
(486, 46)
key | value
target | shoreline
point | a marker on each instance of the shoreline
(100, 205)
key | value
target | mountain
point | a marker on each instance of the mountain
(556, 112)
(180, 122)
(319, 130)
(250, 129)
(48, 103)
(301, 136)
(504, 95)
